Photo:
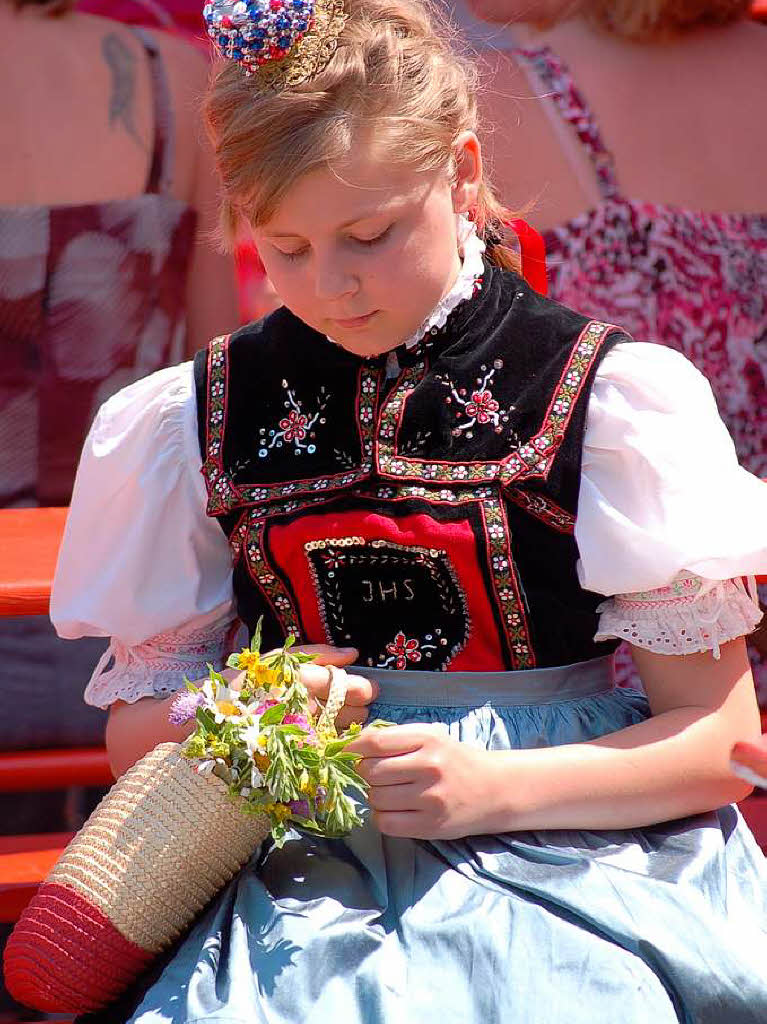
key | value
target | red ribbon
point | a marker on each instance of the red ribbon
(533, 251)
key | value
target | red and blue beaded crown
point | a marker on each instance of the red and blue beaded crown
(283, 42)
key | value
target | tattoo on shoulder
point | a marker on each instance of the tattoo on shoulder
(122, 64)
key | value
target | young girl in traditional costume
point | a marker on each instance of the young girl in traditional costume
(463, 496)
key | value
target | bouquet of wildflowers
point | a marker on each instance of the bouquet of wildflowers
(275, 755)
(178, 812)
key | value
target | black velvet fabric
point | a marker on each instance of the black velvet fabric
(504, 354)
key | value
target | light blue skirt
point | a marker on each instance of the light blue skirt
(642, 926)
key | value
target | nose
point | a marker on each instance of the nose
(334, 278)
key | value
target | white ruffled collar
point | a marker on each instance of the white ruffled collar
(472, 268)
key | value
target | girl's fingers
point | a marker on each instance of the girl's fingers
(234, 678)
(359, 691)
(399, 739)
(405, 797)
(324, 654)
(347, 715)
(387, 771)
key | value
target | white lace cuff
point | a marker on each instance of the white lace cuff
(689, 615)
(156, 668)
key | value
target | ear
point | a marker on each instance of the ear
(468, 174)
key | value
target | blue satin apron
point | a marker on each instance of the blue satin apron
(657, 925)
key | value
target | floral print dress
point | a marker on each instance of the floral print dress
(694, 281)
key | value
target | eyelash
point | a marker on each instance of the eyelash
(291, 257)
(374, 241)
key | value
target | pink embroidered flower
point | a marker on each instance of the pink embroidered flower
(404, 650)
(294, 425)
(482, 406)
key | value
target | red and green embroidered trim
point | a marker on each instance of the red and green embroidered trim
(531, 459)
(506, 583)
(267, 580)
(543, 508)
(534, 458)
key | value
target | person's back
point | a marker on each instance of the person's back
(680, 117)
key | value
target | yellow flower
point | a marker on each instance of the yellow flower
(227, 708)
(248, 660)
(257, 672)
(268, 677)
(280, 811)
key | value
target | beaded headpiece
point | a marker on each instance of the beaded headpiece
(281, 42)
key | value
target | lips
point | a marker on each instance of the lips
(355, 321)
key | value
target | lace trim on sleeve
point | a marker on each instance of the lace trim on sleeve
(689, 615)
(156, 668)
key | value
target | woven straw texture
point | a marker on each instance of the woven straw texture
(158, 847)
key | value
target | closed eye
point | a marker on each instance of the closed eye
(376, 239)
(291, 257)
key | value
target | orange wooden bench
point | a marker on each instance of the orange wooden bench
(29, 544)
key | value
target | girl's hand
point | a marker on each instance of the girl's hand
(424, 785)
(315, 677)
(748, 760)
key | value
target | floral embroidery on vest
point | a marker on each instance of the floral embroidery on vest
(224, 494)
(476, 405)
(294, 426)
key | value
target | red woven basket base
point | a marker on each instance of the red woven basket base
(65, 955)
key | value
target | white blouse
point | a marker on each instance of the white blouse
(667, 526)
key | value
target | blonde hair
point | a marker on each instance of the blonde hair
(648, 20)
(394, 76)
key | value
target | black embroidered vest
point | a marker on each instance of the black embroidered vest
(424, 515)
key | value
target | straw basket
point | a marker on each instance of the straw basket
(158, 847)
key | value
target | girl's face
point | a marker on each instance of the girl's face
(363, 251)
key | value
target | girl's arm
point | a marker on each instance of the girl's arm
(135, 729)
(675, 764)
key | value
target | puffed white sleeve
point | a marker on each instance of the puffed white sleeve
(140, 560)
(670, 528)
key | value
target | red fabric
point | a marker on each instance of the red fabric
(533, 251)
(287, 545)
(183, 16)
(65, 955)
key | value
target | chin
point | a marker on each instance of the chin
(365, 348)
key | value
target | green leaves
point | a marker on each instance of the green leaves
(273, 715)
